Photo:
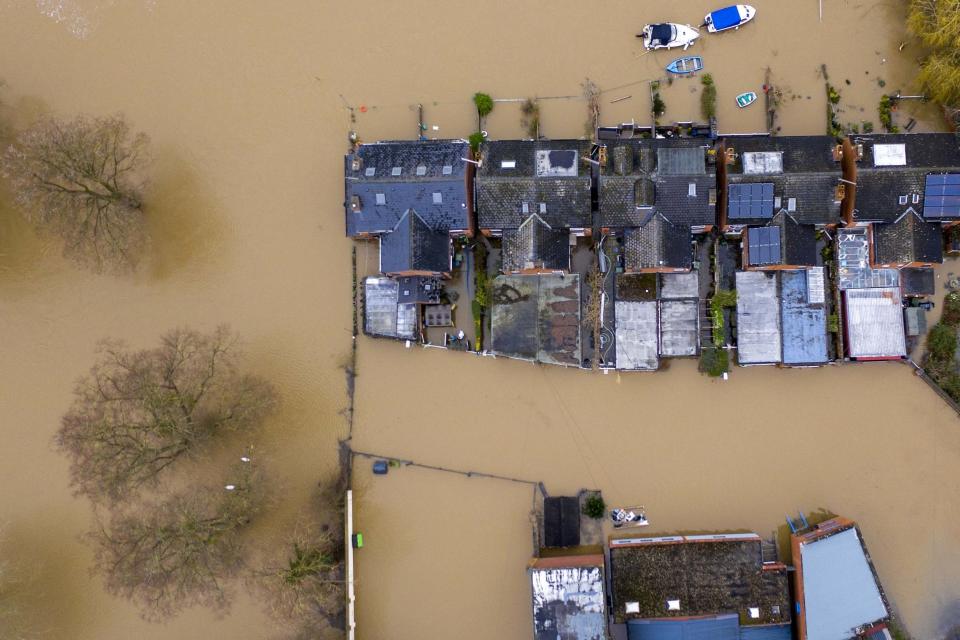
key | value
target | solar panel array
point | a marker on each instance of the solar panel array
(941, 196)
(750, 201)
(763, 245)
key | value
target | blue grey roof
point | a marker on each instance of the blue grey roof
(391, 178)
(766, 632)
(725, 627)
(840, 591)
(804, 324)
(413, 246)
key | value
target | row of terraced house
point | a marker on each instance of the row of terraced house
(605, 253)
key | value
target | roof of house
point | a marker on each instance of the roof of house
(568, 601)
(908, 239)
(722, 627)
(657, 244)
(783, 241)
(667, 176)
(810, 198)
(758, 318)
(679, 329)
(804, 319)
(546, 177)
(384, 180)
(414, 246)
(537, 317)
(708, 575)
(873, 323)
(636, 335)
(840, 590)
(535, 245)
(892, 174)
(789, 154)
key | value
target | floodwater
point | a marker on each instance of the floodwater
(246, 103)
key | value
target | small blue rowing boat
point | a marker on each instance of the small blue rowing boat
(746, 99)
(729, 17)
(687, 64)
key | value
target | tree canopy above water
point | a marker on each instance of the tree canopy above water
(937, 24)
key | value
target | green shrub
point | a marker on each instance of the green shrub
(714, 362)
(659, 106)
(833, 323)
(484, 104)
(942, 342)
(951, 310)
(708, 97)
(476, 139)
(724, 298)
(885, 111)
(594, 506)
(867, 126)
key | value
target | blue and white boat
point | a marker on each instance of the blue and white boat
(729, 18)
(686, 64)
(668, 35)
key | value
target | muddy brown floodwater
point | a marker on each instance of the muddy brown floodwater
(245, 104)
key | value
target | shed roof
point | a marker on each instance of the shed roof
(840, 591)
(569, 602)
(758, 318)
(873, 322)
(636, 335)
(383, 315)
(537, 317)
(918, 281)
(535, 245)
(804, 321)
(679, 329)
(391, 178)
(709, 576)
(414, 246)
(561, 521)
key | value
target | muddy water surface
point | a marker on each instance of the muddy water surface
(245, 104)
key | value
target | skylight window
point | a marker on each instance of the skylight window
(692, 189)
(889, 155)
(447, 169)
(543, 207)
(525, 208)
(916, 198)
(370, 172)
(791, 204)
(381, 199)
(396, 171)
(421, 170)
(508, 164)
(437, 197)
(903, 199)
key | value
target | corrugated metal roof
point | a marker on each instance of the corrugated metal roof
(840, 591)
(804, 322)
(874, 323)
(758, 318)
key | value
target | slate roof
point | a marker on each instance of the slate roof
(657, 244)
(908, 239)
(414, 246)
(645, 175)
(422, 175)
(535, 245)
(879, 188)
(797, 242)
(502, 191)
(804, 169)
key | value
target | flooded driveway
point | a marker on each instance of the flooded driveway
(247, 107)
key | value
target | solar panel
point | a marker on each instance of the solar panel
(763, 245)
(750, 200)
(941, 196)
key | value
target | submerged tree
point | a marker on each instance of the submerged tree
(937, 24)
(139, 412)
(181, 551)
(80, 180)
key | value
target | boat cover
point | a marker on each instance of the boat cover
(661, 33)
(725, 18)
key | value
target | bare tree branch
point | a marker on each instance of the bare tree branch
(80, 180)
(139, 412)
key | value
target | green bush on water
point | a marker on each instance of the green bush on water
(476, 139)
(484, 104)
(708, 97)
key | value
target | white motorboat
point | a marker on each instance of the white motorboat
(731, 17)
(668, 35)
